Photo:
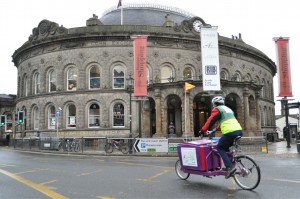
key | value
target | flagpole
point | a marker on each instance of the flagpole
(185, 114)
(121, 14)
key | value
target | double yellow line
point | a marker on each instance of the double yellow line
(41, 188)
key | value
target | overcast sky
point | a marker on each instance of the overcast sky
(257, 20)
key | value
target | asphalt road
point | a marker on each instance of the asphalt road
(34, 175)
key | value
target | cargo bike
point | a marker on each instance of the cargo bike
(201, 157)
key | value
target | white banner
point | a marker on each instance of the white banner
(210, 59)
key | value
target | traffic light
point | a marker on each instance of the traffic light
(21, 117)
(3, 120)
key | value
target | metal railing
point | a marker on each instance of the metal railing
(97, 144)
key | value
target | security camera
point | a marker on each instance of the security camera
(59, 109)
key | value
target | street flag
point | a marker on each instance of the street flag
(283, 66)
(210, 59)
(119, 4)
(188, 86)
(140, 65)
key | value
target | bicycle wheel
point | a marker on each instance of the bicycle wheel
(247, 174)
(124, 148)
(109, 148)
(179, 172)
(76, 146)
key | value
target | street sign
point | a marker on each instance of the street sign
(173, 147)
(151, 145)
(57, 113)
(293, 105)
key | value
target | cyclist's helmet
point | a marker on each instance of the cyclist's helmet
(218, 100)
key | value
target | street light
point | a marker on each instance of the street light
(130, 91)
(58, 112)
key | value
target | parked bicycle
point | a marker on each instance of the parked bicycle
(118, 144)
(202, 158)
(69, 145)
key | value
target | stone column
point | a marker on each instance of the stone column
(146, 119)
(258, 113)
(246, 94)
(157, 95)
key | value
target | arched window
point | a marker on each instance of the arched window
(118, 115)
(52, 81)
(224, 75)
(263, 88)
(148, 76)
(72, 79)
(236, 77)
(36, 120)
(95, 77)
(166, 74)
(256, 80)
(51, 118)
(118, 77)
(25, 86)
(187, 73)
(36, 83)
(8, 127)
(71, 116)
(94, 116)
(248, 77)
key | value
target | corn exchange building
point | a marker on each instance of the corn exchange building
(77, 81)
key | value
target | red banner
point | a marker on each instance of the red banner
(140, 66)
(283, 67)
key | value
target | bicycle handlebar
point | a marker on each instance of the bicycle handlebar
(209, 133)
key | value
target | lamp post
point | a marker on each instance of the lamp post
(57, 114)
(286, 109)
(130, 91)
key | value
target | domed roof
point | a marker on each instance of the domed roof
(144, 14)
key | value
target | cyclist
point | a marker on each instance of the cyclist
(229, 127)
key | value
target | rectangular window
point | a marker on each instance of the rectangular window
(71, 121)
(94, 121)
(52, 123)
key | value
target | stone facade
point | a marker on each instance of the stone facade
(57, 57)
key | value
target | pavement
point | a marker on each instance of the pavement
(274, 148)
(281, 148)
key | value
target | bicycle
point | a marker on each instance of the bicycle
(247, 174)
(69, 145)
(119, 145)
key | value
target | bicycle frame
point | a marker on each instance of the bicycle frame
(199, 158)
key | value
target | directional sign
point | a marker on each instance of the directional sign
(293, 105)
(57, 113)
(173, 147)
(151, 145)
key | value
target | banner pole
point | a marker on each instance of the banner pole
(185, 114)
(121, 14)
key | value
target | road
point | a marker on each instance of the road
(34, 175)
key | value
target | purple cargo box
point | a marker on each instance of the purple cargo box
(198, 155)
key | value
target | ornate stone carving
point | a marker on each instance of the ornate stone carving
(185, 26)
(45, 28)
(71, 44)
(130, 53)
(177, 28)
(190, 45)
(155, 54)
(105, 54)
(165, 43)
